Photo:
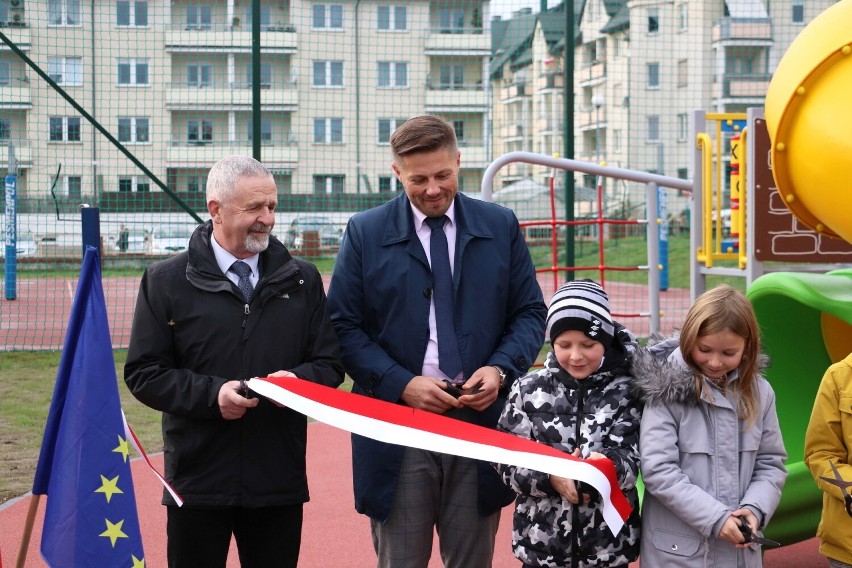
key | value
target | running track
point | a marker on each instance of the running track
(334, 535)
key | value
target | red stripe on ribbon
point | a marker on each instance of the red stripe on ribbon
(398, 416)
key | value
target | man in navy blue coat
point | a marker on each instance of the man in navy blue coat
(382, 304)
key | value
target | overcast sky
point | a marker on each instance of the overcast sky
(505, 8)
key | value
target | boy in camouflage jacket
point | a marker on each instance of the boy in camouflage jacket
(580, 403)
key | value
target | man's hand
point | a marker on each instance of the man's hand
(232, 404)
(280, 374)
(427, 393)
(488, 380)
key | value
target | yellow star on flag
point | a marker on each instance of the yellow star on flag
(138, 562)
(109, 487)
(123, 448)
(114, 531)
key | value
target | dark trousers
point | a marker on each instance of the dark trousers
(269, 536)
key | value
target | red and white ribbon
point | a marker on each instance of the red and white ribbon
(131, 435)
(396, 424)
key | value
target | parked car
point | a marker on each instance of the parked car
(328, 232)
(170, 239)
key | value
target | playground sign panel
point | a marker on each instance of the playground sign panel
(779, 236)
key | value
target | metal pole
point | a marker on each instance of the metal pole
(255, 82)
(652, 232)
(11, 227)
(568, 133)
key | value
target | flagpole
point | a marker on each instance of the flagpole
(28, 531)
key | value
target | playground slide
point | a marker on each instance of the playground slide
(806, 323)
(806, 319)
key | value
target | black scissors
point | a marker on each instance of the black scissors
(750, 536)
(843, 485)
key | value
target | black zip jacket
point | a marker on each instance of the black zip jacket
(192, 332)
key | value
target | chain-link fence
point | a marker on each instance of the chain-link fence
(125, 104)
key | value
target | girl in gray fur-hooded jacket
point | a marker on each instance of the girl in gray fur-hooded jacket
(580, 402)
(711, 447)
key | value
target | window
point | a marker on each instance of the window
(63, 12)
(390, 184)
(328, 131)
(387, 127)
(265, 130)
(682, 127)
(798, 12)
(199, 131)
(451, 21)
(682, 72)
(653, 128)
(71, 187)
(4, 11)
(327, 17)
(328, 74)
(653, 21)
(683, 173)
(5, 74)
(131, 13)
(199, 75)
(132, 71)
(133, 129)
(265, 17)
(458, 126)
(64, 128)
(5, 129)
(328, 184)
(653, 75)
(393, 18)
(683, 16)
(133, 183)
(196, 183)
(616, 140)
(452, 76)
(265, 76)
(67, 71)
(393, 74)
(198, 17)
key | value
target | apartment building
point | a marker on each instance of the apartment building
(640, 68)
(174, 83)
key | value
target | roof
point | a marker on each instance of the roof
(511, 40)
(619, 21)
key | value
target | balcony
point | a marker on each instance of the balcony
(227, 96)
(590, 118)
(549, 126)
(513, 92)
(591, 74)
(17, 31)
(734, 30)
(551, 81)
(16, 95)
(456, 97)
(512, 132)
(274, 39)
(23, 152)
(459, 41)
(473, 153)
(737, 86)
(203, 153)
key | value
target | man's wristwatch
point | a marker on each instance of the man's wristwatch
(503, 375)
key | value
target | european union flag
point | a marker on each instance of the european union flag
(84, 468)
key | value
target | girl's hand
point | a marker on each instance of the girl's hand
(745, 516)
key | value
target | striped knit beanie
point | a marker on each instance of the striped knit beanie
(581, 305)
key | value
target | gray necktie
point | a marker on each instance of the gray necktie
(243, 270)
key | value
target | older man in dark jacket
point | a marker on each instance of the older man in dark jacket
(200, 329)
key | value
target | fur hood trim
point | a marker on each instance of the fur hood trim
(663, 377)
